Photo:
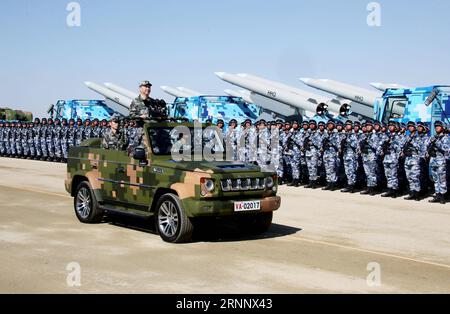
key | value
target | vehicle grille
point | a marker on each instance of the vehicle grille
(243, 184)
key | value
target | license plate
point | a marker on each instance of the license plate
(247, 206)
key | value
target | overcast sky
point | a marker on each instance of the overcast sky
(182, 43)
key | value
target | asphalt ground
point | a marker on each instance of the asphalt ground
(320, 242)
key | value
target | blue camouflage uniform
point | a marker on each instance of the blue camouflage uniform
(231, 138)
(19, 149)
(439, 151)
(263, 152)
(24, 140)
(350, 147)
(331, 145)
(294, 153)
(313, 144)
(414, 152)
(79, 135)
(56, 134)
(30, 141)
(2, 144)
(369, 146)
(37, 139)
(50, 144)
(71, 137)
(393, 146)
(7, 139)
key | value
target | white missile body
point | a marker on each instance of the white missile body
(333, 106)
(175, 92)
(292, 96)
(264, 102)
(121, 90)
(354, 93)
(120, 99)
(383, 87)
(190, 92)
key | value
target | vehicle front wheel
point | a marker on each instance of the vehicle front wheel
(86, 205)
(171, 221)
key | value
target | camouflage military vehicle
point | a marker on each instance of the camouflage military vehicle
(81, 109)
(175, 193)
(7, 114)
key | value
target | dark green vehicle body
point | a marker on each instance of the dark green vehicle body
(122, 183)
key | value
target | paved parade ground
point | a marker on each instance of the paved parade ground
(320, 242)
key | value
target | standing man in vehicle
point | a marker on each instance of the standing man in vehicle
(144, 107)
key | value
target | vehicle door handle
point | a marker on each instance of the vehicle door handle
(121, 170)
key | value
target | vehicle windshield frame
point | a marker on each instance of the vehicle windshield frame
(169, 151)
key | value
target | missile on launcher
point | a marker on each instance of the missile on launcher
(292, 97)
(354, 93)
(120, 99)
(383, 87)
(123, 91)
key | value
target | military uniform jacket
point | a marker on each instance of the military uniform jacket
(148, 108)
(113, 140)
(441, 147)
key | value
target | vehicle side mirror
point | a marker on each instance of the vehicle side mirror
(139, 154)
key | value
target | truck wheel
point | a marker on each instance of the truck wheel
(255, 224)
(86, 206)
(171, 221)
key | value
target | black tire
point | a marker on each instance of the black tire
(171, 221)
(85, 204)
(256, 223)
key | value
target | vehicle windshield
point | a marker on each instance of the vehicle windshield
(394, 108)
(184, 140)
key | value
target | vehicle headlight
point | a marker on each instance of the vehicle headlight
(269, 182)
(208, 184)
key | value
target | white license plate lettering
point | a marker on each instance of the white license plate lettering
(247, 206)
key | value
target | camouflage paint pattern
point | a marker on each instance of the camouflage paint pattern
(15, 115)
(123, 183)
(415, 109)
(82, 109)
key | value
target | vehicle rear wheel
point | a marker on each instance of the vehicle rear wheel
(86, 205)
(171, 221)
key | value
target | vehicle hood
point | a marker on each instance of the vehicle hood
(209, 167)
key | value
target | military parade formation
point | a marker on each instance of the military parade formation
(391, 160)
(47, 139)
(352, 156)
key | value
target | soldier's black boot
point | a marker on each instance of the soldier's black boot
(391, 193)
(295, 183)
(328, 187)
(334, 186)
(373, 191)
(366, 191)
(438, 198)
(315, 185)
(412, 196)
(348, 189)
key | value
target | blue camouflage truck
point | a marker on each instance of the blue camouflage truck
(202, 108)
(425, 104)
(81, 109)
